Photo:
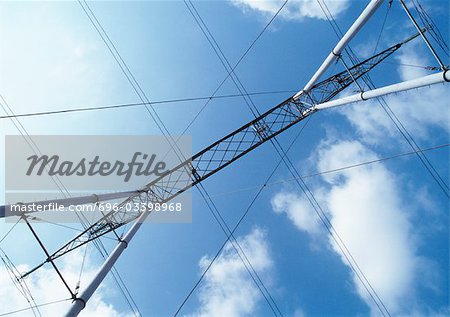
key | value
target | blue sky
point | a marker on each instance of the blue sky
(391, 215)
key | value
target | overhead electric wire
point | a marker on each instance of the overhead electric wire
(138, 104)
(116, 53)
(382, 27)
(34, 218)
(115, 50)
(411, 65)
(236, 65)
(59, 184)
(39, 305)
(131, 79)
(20, 285)
(34, 147)
(238, 249)
(304, 187)
(432, 27)
(9, 231)
(136, 86)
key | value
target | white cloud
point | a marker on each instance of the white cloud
(45, 286)
(298, 210)
(366, 209)
(227, 289)
(418, 110)
(369, 215)
(294, 10)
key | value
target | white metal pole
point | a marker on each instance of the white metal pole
(422, 33)
(437, 78)
(80, 302)
(335, 52)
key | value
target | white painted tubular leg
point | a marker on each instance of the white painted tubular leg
(441, 77)
(80, 302)
(340, 46)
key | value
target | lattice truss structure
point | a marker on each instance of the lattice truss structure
(223, 152)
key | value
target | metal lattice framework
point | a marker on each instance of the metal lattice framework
(224, 151)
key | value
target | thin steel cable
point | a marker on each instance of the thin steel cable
(117, 53)
(229, 74)
(382, 27)
(9, 231)
(238, 249)
(138, 104)
(65, 193)
(236, 65)
(39, 305)
(35, 218)
(131, 79)
(34, 147)
(59, 184)
(432, 27)
(411, 65)
(20, 284)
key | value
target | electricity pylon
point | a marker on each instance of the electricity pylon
(312, 98)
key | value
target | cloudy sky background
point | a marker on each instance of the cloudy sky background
(391, 215)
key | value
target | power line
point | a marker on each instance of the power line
(238, 249)
(131, 79)
(235, 66)
(40, 305)
(139, 104)
(9, 231)
(382, 27)
(20, 285)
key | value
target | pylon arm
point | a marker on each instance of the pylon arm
(437, 78)
(340, 46)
